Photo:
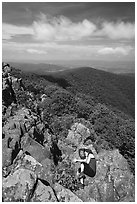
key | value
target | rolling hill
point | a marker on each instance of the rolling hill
(116, 90)
(40, 68)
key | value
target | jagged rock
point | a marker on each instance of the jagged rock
(66, 149)
(32, 132)
(11, 125)
(47, 173)
(77, 133)
(119, 170)
(16, 84)
(24, 140)
(9, 111)
(113, 181)
(65, 195)
(12, 139)
(11, 128)
(38, 152)
(19, 186)
(43, 193)
(8, 95)
(6, 68)
(40, 127)
(35, 134)
(23, 128)
(35, 149)
(14, 135)
(27, 118)
(6, 156)
(30, 163)
(42, 170)
(47, 138)
(84, 195)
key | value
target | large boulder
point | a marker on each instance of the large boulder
(19, 186)
(65, 195)
(40, 127)
(121, 178)
(42, 170)
(6, 156)
(36, 150)
(47, 165)
(78, 133)
(43, 193)
(25, 161)
(25, 116)
(11, 141)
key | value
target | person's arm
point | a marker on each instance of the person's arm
(79, 160)
(90, 156)
(86, 160)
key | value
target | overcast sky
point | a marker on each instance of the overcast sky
(68, 31)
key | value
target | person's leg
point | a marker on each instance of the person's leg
(82, 167)
(78, 171)
(82, 181)
(82, 170)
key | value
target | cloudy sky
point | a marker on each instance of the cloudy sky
(68, 31)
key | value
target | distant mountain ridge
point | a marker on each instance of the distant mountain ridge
(41, 68)
(117, 90)
(49, 66)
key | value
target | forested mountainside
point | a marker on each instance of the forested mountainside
(116, 90)
(44, 120)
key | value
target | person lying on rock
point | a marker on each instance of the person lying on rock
(88, 164)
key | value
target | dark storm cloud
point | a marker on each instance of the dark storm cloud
(108, 11)
(24, 13)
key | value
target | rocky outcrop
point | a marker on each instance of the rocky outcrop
(78, 133)
(19, 186)
(112, 173)
(113, 181)
(43, 193)
(65, 195)
(6, 156)
(8, 94)
(18, 134)
(35, 149)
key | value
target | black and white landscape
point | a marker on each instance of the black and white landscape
(68, 82)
